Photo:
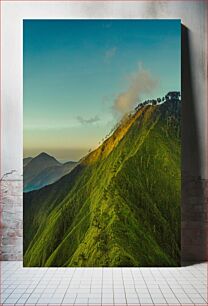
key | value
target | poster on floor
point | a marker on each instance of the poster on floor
(102, 143)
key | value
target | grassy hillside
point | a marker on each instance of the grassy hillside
(120, 206)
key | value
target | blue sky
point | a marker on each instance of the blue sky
(75, 70)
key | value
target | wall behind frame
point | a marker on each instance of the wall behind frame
(193, 15)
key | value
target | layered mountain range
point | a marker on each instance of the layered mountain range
(43, 170)
(120, 206)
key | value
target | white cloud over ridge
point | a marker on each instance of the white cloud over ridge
(141, 82)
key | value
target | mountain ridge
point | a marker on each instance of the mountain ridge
(105, 214)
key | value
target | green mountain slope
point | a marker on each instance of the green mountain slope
(120, 206)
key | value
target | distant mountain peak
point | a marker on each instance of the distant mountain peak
(44, 154)
(45, 157)
(37, 164)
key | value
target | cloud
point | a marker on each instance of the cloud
(88, 121)
(110, 53)
(141, 82)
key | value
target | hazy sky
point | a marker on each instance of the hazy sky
(80, 76)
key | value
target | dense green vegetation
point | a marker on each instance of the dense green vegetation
(120, 206)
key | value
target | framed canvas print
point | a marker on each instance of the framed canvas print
(102, 142)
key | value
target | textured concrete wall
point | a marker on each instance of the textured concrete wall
(194, 227)
(194, 95)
